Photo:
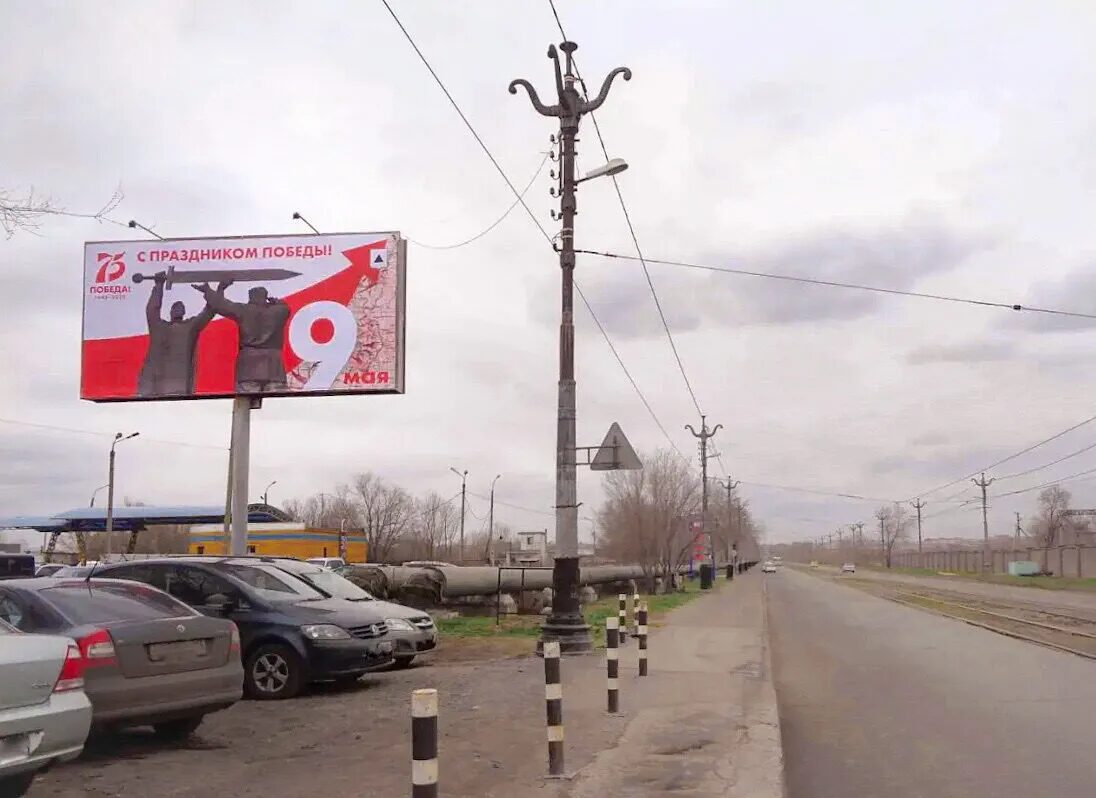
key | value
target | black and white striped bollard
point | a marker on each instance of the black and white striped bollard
(622, 613)
(635, 613)
(612, 660)
(424, 744)
(641, 633)
(553, 695)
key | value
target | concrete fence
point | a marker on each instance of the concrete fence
(1072, 561)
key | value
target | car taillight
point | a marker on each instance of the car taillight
(234, 641)
(98, 649)
(72, 671)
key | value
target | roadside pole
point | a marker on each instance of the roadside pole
(984, 483)
(704, 435)
(240, 465)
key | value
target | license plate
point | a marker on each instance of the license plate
(180, 651)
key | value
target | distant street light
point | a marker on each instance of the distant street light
(93, 494)
(463, 491)
(118, 438)
(266, 491)
(491, 513)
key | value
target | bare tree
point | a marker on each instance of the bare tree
(1051, 520)
(893, 526)
(433, 525)
(384, 512)
(645, 516)
(26, 211)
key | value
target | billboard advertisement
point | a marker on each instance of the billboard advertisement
(204, 318)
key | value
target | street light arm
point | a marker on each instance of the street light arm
(690, 428)
(542, 109)
(593, 105)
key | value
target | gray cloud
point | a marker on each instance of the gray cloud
(974, 352)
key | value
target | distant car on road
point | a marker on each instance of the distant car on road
(848, 568)
(768, 567)
(49, 568)
(44, 713)
(149, 659)
(327, 562)
(814, 564)
(292, 633)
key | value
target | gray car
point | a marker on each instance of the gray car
(44, 712)
(413, 631)
(150, 659)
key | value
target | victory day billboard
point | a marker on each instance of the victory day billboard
(218, 317)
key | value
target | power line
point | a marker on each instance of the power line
(1046, 484)
(530, 213)
(511, 506)
(1090, 447)
(838, 284)
(631, 227)
(853, 496)
(1004, 460)
(73, 430)
(494, 224)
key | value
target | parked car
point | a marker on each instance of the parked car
(848, 568)
(49, 568)
(75, 571)
(814, 564)
(412, 630)
(16, 566)
(149, 659)
(768, 567)
(291, 633)
(44, 712)
(327, 562)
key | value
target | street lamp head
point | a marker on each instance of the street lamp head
(458, 472)
(613, 167)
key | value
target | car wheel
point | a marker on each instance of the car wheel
(273, 671)
(177, 729)
(402, 662)
(15, 786)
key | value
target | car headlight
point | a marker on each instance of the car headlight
(324, 631)
(399, 625)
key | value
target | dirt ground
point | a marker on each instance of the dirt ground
(356, 741)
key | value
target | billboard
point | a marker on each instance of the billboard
(203, 318)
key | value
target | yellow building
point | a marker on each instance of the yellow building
(283, 540)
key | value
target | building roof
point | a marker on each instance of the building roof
(128, 519)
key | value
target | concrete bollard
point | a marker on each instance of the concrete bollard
(553, 696)
(641, 633)
(612, 661)
(622, 615)
(424, 744)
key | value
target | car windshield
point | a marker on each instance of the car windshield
(72, 571)
(328, 582)
(99, 602)
(272, 583)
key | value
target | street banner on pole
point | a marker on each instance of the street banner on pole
(204, 318)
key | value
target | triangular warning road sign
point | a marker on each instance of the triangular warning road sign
(616, 453)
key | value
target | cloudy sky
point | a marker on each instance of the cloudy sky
(938, 147)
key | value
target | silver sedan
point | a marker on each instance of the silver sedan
(44, 713)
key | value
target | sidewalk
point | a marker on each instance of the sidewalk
(704, 722)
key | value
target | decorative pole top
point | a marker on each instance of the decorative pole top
(570, 105)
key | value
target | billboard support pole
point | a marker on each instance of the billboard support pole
(241, 462)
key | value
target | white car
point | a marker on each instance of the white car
(327, 562)
(768, 567)
(848, 568)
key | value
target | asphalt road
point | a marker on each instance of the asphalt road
(881, 700)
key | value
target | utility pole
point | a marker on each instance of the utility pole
(463, 493)
(984, 483)
(118, 438)
(882, 516)
(918, 505)
(565, 625)
(1019, 529)
(491, 516)
(730, 485)
(704, 435)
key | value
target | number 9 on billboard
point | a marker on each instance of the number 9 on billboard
(330, 356)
